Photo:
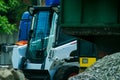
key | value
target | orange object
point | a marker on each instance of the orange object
(20, 43)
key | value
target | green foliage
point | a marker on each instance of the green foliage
(34, 2)
(10, 14)
(13, 3)
(5, 7)
(5, 26)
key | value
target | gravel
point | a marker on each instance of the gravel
(107, 68)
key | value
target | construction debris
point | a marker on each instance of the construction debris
(11, 74)
(107, 68)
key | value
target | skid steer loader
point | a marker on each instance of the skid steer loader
(50, 54)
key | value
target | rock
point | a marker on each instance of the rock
(6, 74)
(18, 75)
(107, 68)
(11, 74)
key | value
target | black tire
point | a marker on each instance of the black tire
(64, 72)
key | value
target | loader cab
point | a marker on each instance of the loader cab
(40, 30)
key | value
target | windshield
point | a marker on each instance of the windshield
(41, 29)
(62, 38)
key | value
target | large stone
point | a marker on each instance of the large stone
(11, 74)
(107, 68)
(18, 75)
(6, 74)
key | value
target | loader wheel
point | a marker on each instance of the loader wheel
(65, 72)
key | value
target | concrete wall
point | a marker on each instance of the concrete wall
(5, 57)
(5, 38)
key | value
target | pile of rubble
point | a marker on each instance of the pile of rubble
(107, 68)
(11, 74)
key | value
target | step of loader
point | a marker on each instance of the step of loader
(36, 74)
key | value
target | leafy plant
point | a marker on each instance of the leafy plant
(10, 14)
(5, 7)
(5, 26)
